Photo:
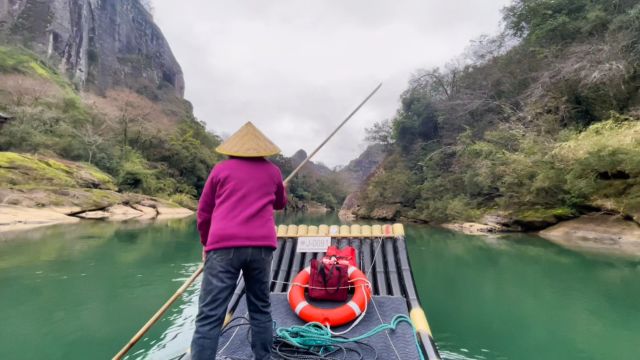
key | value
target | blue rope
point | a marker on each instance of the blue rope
(316, 335)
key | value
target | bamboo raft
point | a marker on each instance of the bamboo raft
(382, 255)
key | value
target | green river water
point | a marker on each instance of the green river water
(81, 291)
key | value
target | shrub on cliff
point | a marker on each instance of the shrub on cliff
(155, 148)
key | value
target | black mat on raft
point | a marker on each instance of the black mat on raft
(388, 306)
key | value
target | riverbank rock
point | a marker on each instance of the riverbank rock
(148, 213)
(67, 200)
(16, 218)
(166, 212)
(386, 212)
(65, 210)
(349, 207)
(123, 213)
(627, 206)
(316, 208)
(112, 213)
(597, 233)
(508, 221)
(108, 207)
(528, 220)
(93, 215)
(471, 228)
(346, 215)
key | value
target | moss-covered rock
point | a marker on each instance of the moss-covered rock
(60, 191)
(23, 171)
(537, 218)
(22, 61)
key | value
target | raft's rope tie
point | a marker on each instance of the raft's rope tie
(315, 335)
(375, 307)
(375, 254)
(355, 323)
(361, 316)
(284, 350)
(319, 287)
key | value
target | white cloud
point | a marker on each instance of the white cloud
(297, 68)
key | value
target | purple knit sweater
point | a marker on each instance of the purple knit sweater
(237, 203)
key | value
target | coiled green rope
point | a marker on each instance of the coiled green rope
(316, 335)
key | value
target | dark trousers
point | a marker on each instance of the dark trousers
(221, 271)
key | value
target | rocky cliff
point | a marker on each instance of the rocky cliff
(99, 44)
(358, 170)
(355, 176)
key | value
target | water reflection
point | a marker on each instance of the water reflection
(180, 320)
(521, 297)
(82, 291)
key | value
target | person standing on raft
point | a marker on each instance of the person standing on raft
(237, 230)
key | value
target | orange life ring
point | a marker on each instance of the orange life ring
(332, 317)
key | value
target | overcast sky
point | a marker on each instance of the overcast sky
(296, 68)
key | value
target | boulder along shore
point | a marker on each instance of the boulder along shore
(603, 233)
(38, 191)
(19, 218)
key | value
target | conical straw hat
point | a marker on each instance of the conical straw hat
(248, 142)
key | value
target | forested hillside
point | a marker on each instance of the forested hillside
(537, 124)
(96, 82)
(155, 147)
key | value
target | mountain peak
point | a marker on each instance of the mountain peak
(298, 157)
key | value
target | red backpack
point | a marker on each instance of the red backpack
(330, 276)
(344, 256)
(328, 281)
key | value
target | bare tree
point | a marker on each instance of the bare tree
(485, 47)
(380, 133)
(91, 137)
(25, 90)
(133, 111)
(437, 84)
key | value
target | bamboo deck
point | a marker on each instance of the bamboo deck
(382, 255)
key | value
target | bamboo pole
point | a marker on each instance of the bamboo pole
(197, 273)
(293, 173)
(158, 314)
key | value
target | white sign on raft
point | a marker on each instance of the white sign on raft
(308, 244)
